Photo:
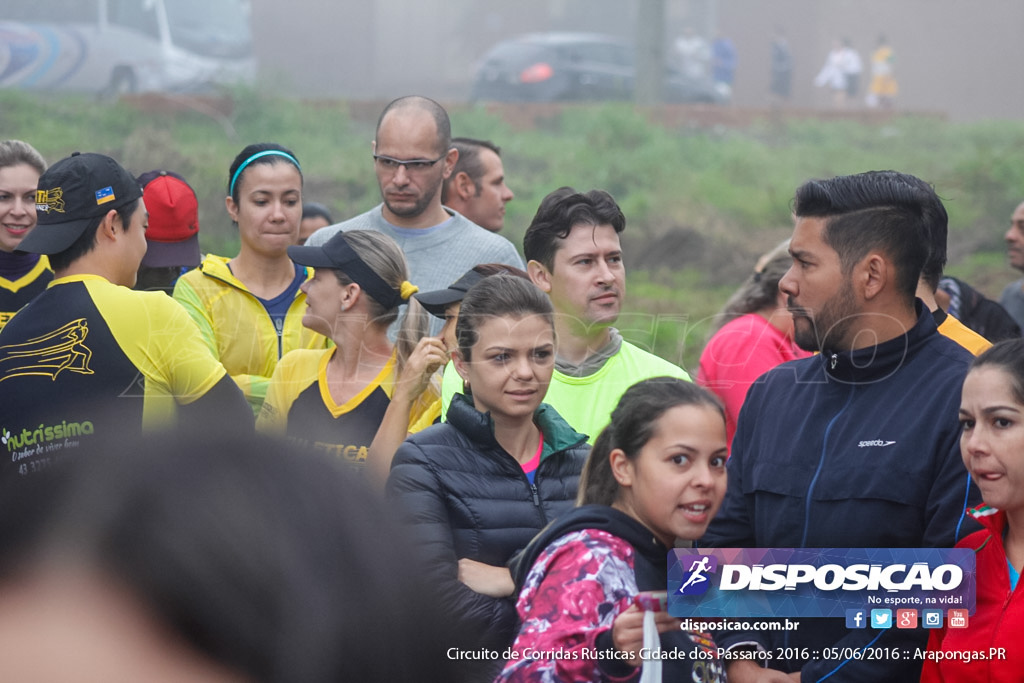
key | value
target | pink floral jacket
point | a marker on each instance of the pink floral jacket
(571, 596)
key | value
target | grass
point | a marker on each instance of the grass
(670, 313)
(710, 199)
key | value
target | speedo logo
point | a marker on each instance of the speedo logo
(44, 433)
(874, 443)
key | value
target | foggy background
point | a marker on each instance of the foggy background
(956, 57)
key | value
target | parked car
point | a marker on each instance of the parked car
(573, 67)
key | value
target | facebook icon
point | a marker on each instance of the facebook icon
(856, 618)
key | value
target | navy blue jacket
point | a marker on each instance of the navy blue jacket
(463, 495)
(853, 449)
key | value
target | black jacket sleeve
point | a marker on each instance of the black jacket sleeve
(221, 408)
(415, 487)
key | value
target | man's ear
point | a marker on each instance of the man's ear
(449, 162)
(464, 185)
(109, 226)
(539, 275)
(873, 274)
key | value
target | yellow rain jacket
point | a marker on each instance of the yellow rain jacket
(238, 328)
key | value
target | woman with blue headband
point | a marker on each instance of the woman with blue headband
(250, 307)
(365, 389)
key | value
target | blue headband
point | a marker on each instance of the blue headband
(254, 157)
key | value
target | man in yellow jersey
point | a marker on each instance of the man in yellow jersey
(89, 360)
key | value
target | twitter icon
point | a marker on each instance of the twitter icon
(881, 618)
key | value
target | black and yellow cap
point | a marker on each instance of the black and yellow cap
(71, 194)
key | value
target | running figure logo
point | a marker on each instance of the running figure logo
(696, 582)
(49, 355)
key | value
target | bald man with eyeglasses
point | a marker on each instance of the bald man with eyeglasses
(412, 157)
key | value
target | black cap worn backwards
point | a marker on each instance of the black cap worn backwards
(438, 300)
(72, 193)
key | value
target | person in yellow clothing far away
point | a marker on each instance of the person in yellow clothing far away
(883, 88)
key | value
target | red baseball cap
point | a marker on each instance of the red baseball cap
(173, 232)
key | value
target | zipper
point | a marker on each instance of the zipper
(279, 328)
(536, 495)
(821, 462)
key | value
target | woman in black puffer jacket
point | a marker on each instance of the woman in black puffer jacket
(476, 489)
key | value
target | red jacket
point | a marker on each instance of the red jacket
(998, 621)
(739, 353)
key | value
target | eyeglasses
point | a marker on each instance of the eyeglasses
(411, 165)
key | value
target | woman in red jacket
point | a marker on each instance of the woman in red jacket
(992, 446)
(751, 335)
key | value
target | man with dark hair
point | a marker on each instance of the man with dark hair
(413, 154)
(975, 310)
(90, 359)
(857, 446)
(314, 217)
(172, 234)
(936, 224)
(574, 255)
(476, 188)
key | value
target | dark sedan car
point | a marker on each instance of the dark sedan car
(567, 67)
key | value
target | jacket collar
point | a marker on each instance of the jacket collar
(881, 360)
(217, 267)
(989, 517)
(600, 517)
(558, 435)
